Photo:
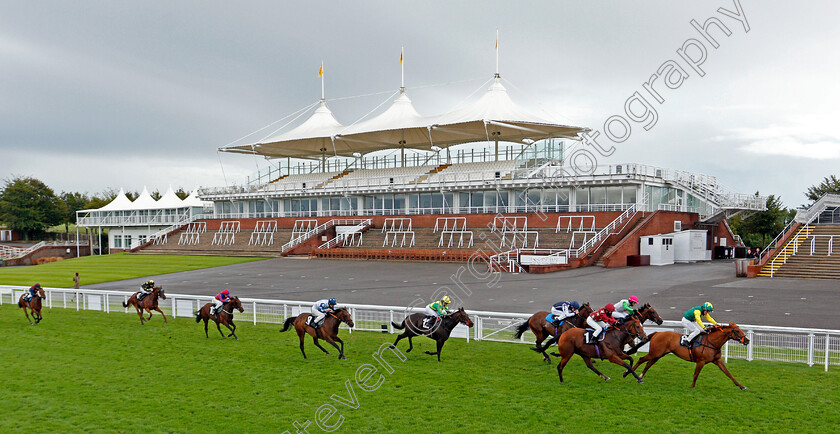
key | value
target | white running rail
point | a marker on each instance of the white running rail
(811, 346)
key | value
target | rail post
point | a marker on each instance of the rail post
(174, 307)
(391, 322)
(726, 352)
(750, 346)
(254, 304)
(107, 307)
(810, 349)
(77, 301)
(827, 337)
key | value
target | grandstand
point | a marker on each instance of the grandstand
(404, 186)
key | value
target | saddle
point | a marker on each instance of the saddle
(310, 324)
(550, 319)
(694, 342)
(429, 322)
(27, 296)
(589, 339)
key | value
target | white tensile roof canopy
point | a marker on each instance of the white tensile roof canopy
(494, 117)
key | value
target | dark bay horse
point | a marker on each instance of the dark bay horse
(413, 325)
(662, 343)
(148, 303)
(645, 313)
(611, 348)
(328, 330)
(225, 317)
(543, 329)
(33, 305)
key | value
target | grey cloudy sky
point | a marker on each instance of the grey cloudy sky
(98, 94)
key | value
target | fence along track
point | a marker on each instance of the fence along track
(777, 344)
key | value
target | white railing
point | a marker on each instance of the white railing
(11, 252)
(295, 241)
(808, 215)
(351, 233)
(584, 225)
(793, 243)
(263, 234)
(192, 235)
(611, 228)
(830, 243)
(778, 344)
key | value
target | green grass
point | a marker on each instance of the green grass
(86, 371)
(107, 268)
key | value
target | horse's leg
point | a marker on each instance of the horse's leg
(140, 313)
(697, 369)
(219, 328)
(315, 339)
(399, 337)
(722, 367)
(439, 347)
(232, 330)
(340, 351)
(27, 315)
(301, 333)
(161, 313)
(591, 366)
(205, 326)
(410, 344)
(562, 364)
(619, 360)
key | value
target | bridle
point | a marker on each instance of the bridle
(732, 335)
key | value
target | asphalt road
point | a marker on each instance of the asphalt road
(670, 289)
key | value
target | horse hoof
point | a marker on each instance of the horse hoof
(555, 354)
(743, 387)
(624, 375)
(641, 381)
(607, 378)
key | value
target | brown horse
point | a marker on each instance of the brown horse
(148, 303)
(611, 348)
(644, 313)
(440, 331)
(225, 317)
(543, 329)
(33, 305)
(328, 330)
(662, 343)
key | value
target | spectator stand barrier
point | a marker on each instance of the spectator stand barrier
(226, 235)
(191, 236)
(263, 234)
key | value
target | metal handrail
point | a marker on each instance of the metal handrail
(796, 242)
(340, 238)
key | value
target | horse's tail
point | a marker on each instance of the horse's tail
(289, 321)
(521, 329)
(398, 326)
(198, 315)
(125, 304)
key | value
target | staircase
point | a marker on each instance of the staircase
(817, 255)
(321, 185)
(431, 172)
(789, 250)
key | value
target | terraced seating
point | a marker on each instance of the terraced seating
(817, 257)
(205, 246)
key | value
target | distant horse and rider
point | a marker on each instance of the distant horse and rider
(439, 331)
(30, 301)
(321, 326)
(222, 316)
(147, 303)
(543, 328)
(706, 349)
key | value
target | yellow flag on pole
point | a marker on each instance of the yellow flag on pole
(321, 71)
(401, 56)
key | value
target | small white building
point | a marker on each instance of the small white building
(690, 246)
(132, 224)
(660, 248)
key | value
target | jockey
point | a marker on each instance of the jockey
(145, 289)
(436, 310)
(563, 310)
(624, 307)
(691, 320)
(219, 301)
(599, 319)
(320, 310)
(33, 291)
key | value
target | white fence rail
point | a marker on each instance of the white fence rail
(779, 344)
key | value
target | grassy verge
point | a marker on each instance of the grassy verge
(86, 371)
(107, 268)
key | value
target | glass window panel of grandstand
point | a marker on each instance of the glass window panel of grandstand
(503, 199)
(597, 196)
(614, 195)
(582, 199)
(534, 199)
(629, 194)
(477, 201)
(563, 199)
(448, 201)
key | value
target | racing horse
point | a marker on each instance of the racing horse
(610, 348)
(708, 351)
(33, 304)
(328, 330)
(225, 317)
(543, 329)
(148, 303)
(645, 313)
(440, 331)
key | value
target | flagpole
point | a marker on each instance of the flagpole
(497, 51)
(402, 68)
(322, 80)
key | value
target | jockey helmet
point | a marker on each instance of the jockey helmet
(332, 302)
(609, 307)
(37, 286)
(225, 292)
(575, 305)
(633, 299)
(446, 299)
(708, 307)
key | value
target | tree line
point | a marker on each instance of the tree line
(29, 206)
